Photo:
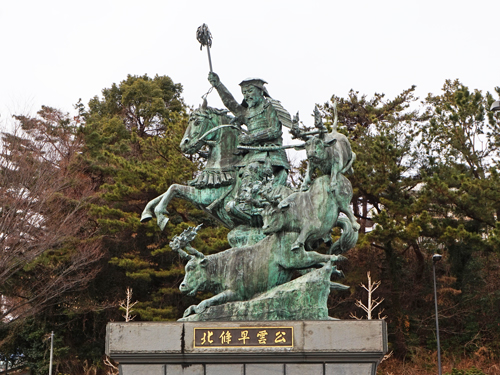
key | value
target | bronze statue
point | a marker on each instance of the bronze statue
(275, 230)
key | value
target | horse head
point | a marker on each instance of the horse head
(201, 121)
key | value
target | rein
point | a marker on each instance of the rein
(220, 127)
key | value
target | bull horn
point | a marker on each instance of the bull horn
(335, 116)
(194, 252)
(274, 201)
(205, 104)
(182, 253)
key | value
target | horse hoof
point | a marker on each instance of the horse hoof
(162, 221)
(146, 217)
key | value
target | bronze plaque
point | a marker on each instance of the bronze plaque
(243, 337)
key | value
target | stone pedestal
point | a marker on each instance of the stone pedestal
(248, 348)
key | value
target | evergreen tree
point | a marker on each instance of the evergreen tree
(383, 135)
(132, 152)
(428, 182)
(461, 195)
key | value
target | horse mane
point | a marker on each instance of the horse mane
(207, 111)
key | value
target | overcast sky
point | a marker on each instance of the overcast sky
(57, 51)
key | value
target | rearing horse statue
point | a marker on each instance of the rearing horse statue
(212, 188)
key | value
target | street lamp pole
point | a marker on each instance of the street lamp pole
(51, 351)
(436, 258)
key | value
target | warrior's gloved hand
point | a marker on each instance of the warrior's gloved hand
(213, 78)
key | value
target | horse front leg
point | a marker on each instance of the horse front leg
(175, 191)
(148, 212)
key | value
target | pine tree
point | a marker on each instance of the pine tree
(132, 136)
(462, 196)
(428, 182)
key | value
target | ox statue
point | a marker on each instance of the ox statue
(331, 154)
(239, 274)
(312, 214)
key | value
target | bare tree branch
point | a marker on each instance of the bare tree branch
(45, 249)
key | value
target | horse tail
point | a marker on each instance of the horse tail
(348, 167)
(348, 238)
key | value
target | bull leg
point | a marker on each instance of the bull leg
(219, 299)
(344, 197)
(338, 286)
(303, 235)
(334, 171)
(335, 271)
(305, 259)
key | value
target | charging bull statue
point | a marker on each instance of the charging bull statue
(312, 214)
(239, 274)
(331, 154)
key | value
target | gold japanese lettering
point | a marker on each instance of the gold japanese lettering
(225, 337)
(280, 337)
(244, 337)
(207, 337)
(261, 335)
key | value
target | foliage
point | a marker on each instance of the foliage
(117, 154)
(44, 225)
(425, 181)
(428, 183)
(132, 138)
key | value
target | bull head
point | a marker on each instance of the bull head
(273, 219)
(196, 274)
(316, 148)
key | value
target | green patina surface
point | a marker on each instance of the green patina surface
(274, 229)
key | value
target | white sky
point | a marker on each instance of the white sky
(54, 52)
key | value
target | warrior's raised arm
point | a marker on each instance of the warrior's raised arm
(227, 98)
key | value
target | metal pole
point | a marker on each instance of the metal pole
(51, 351)
(436, 258)
(209, 59)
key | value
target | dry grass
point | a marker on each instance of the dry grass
(425, 363)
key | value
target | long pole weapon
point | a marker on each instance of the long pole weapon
(205, 38)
